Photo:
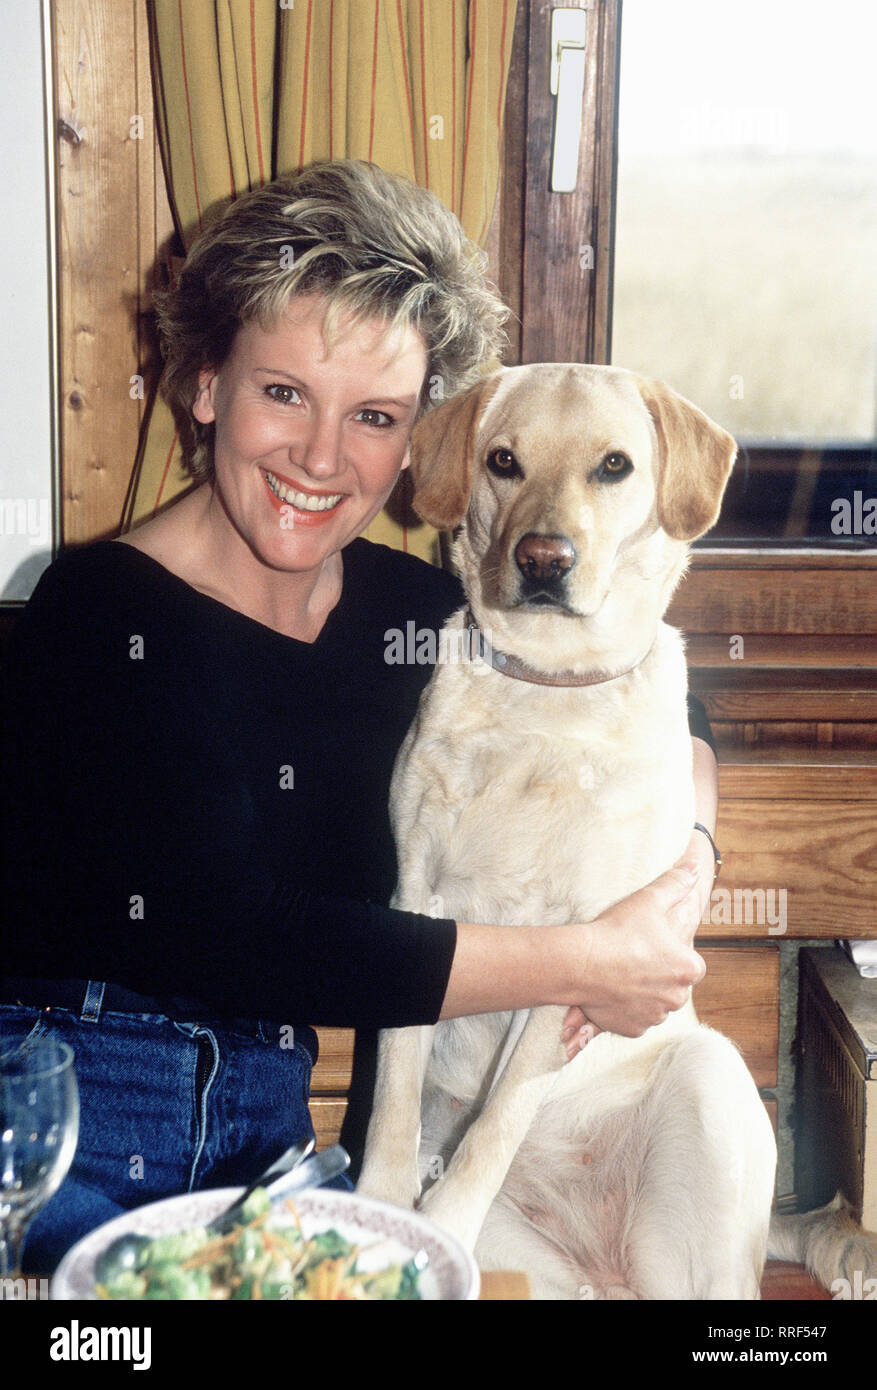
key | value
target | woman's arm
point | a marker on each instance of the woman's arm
(627, 969)
(699, 852)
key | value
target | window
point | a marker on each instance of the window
(745, 270)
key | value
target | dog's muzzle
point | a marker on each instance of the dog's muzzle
(544, 563)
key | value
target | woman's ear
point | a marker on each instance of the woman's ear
(203, 407)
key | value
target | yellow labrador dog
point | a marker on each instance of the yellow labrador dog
(544, 779)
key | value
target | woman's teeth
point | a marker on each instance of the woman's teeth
(305, 501)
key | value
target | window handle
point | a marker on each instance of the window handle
(568, 30)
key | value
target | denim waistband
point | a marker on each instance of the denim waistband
(89, 998)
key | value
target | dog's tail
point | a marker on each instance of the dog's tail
(829, 1241)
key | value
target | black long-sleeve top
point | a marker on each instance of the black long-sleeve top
(195, 806)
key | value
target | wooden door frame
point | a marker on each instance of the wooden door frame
(552, 253)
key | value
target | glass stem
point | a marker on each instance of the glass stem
(11, 1238)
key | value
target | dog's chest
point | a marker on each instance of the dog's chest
(545, 805)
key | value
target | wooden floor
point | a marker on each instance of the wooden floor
(784, 1282)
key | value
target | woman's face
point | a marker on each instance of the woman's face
(308, 444)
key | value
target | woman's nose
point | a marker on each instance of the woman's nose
(318, 451)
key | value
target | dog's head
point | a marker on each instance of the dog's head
(578, 488)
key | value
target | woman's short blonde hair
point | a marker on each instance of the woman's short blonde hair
(374, 244)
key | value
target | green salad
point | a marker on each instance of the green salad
(262, 1258)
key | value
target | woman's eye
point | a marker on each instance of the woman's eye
(376, 417)
(614, 467)
(282, 393)
(503, 463)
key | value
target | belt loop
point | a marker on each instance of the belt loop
(94, 995)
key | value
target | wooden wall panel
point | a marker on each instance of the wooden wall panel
(755, 651)
(327, 1115)
(333, 1072)
(738, 996)
(750, 694)
(330, 1083)
(768, 593)
(112, 217)
(804, 830)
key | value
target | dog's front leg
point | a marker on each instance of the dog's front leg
(461, 1199)
(389, 1168)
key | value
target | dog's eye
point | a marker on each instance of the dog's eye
(503, 463)
(614, 467)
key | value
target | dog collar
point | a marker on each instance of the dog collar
(509, 665)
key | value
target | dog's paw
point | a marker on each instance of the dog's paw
(839, 1252)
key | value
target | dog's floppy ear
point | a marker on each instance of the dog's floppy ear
(441, 455)
(697, 456)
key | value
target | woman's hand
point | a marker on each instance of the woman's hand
(640, 962)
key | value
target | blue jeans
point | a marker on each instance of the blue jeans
(165, 1107)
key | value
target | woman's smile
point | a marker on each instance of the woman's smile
(302, 506)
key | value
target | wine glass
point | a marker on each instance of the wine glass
(39, 1127)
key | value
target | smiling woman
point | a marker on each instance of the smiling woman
(208, 875)
(304, 458)
(302, 340)
(309, 439)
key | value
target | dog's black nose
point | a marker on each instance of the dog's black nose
(546, 559)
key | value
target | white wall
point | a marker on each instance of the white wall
(26, 367)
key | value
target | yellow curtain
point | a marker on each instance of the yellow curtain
(249, 89)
